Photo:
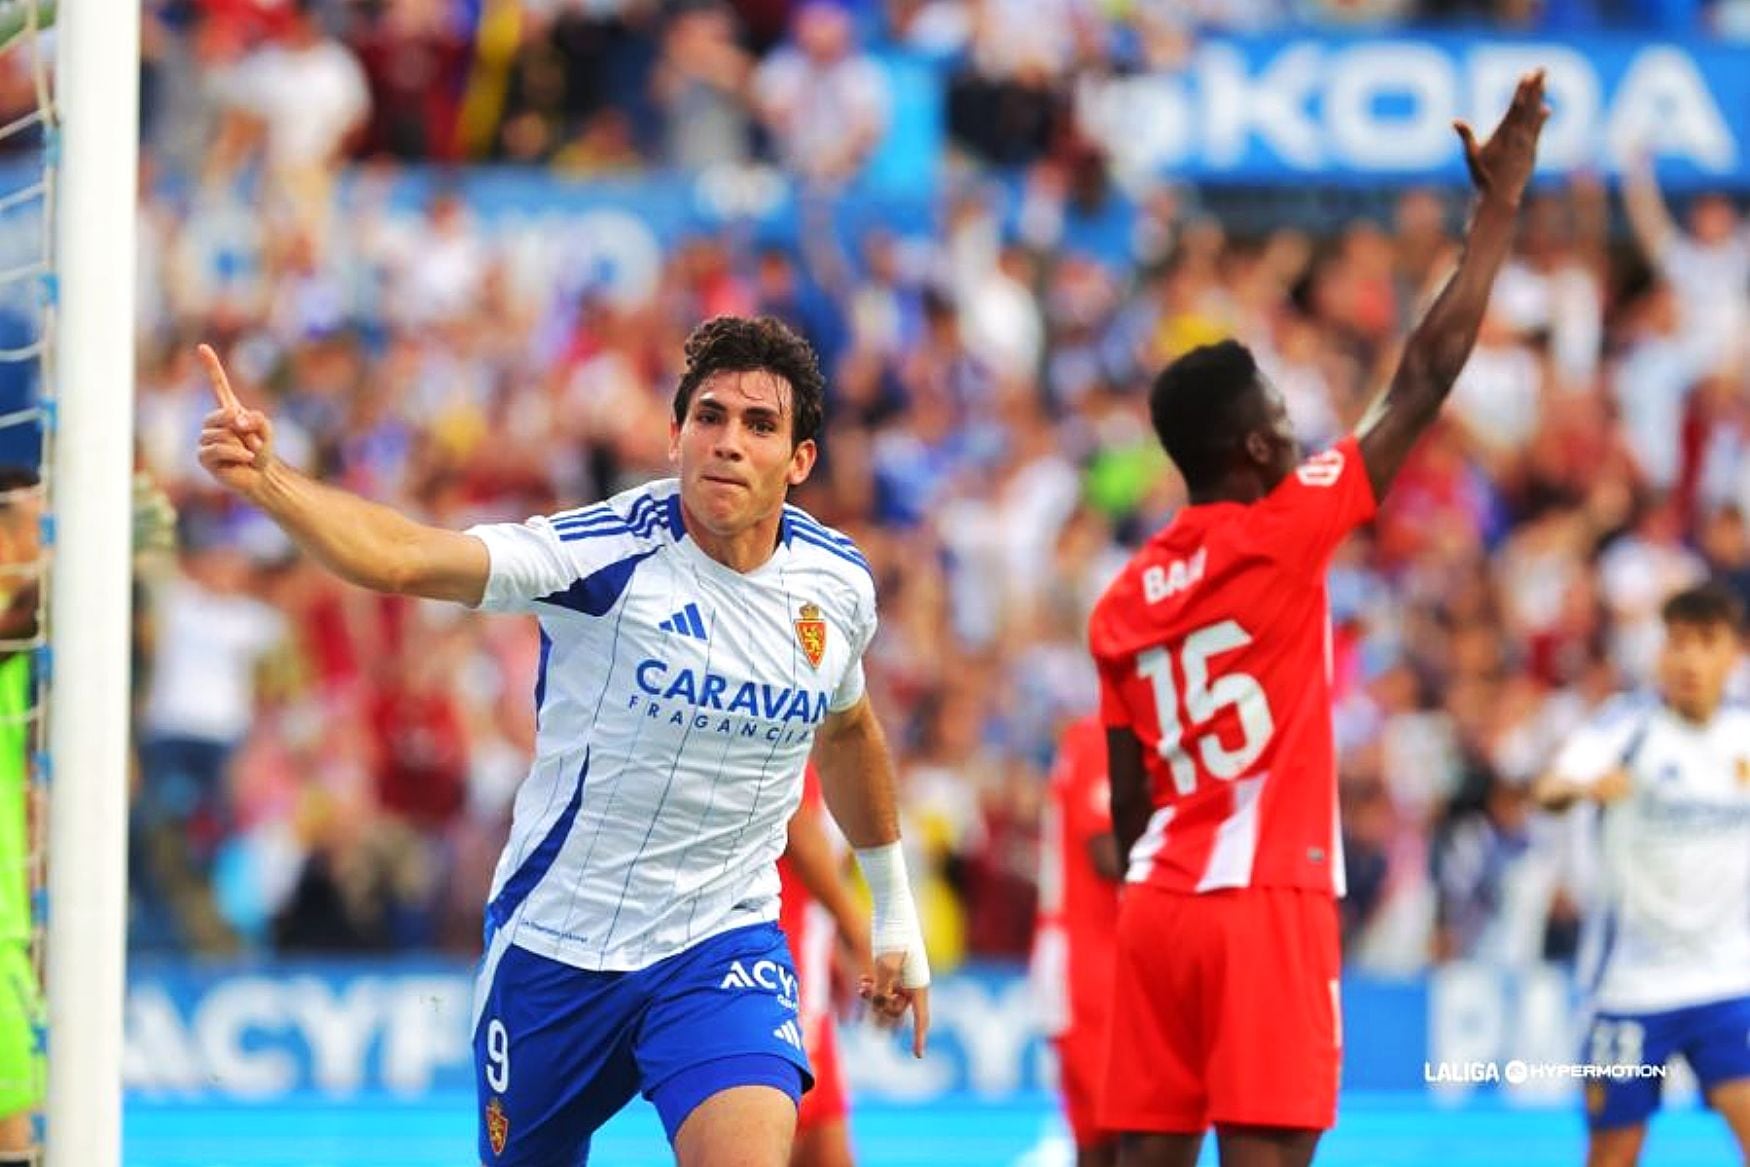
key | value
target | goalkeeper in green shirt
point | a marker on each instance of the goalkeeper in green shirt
(21, 1005)
(21, 1008)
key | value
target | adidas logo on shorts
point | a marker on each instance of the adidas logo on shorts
(790, 1032)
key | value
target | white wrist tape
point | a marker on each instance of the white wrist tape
(893, 923)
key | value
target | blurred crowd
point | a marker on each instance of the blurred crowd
(607, 86)
(320, 769)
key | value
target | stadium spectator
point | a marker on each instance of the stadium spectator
(824, 101)
(1707, 266)
(303, 99)
(701, 85)
(415, 54)
(210, 635)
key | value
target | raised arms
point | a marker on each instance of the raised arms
(1648, 216)
(1441, 342)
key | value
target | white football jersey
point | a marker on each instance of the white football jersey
(677, 703)
(1675, 854)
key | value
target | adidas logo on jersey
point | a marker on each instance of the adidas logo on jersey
(686, 622)
(790, 1032)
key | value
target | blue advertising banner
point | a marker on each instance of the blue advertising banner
(1282, 110)
(244, 1033)
(1276, 111)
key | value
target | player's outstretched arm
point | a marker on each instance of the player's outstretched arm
(856, 778)
(1130, 801)
(1441, 342)
(361, 541)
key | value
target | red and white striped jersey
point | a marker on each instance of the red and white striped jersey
(1214, 649)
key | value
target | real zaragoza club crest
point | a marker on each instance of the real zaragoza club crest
(497, 1126)
(811, 633)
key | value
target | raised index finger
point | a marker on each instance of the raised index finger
(1530, 94)
(216, 374)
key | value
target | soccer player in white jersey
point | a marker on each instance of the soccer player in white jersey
(1672, 970)
(698, 638)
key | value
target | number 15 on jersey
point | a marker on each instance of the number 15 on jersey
(1187, 739)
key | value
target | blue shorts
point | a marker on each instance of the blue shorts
(1713, 1038)
(559, 1050)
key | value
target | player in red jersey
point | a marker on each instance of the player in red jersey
(1214, 650)
(818, 915)
(1073, 945)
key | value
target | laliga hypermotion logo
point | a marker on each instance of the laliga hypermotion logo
(497, 1126)
(811, 633)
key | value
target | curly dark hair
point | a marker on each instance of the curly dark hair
(739, 344)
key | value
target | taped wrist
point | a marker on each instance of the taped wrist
(893, 923)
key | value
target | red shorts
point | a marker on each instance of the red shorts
(1081, 1066)
(826, 1102)
(1224, 1011)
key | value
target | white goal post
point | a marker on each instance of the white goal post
(97, 95)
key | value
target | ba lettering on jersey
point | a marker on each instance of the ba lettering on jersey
(1213, 648)
(1163, 582)
(1673, 930)
(676, 706)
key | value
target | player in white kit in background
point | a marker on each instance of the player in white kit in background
(699, 637)
(1671, 965)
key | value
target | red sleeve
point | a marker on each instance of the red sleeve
(1113, 711)
(1094, 817)
(1311, 511)
(1079, 782)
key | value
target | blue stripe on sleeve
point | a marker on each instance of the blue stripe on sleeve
(596, 517)
(645, 518)
(848, 551)
(602, 512)
(849, 556)
(575, 535)
(803, 520)
(594, 510)
(597, 593)
(584, 522)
